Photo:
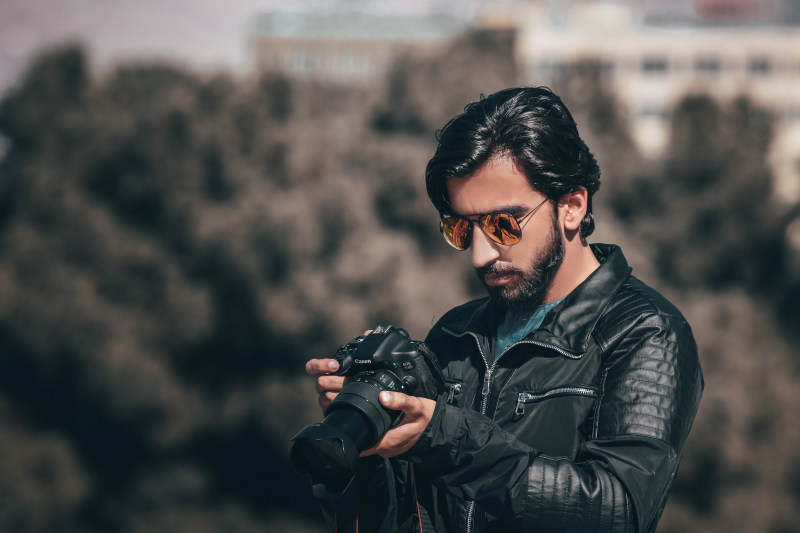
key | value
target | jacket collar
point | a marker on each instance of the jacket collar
(569, 325)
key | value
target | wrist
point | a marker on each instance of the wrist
(436, 440)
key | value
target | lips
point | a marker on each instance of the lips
(495, 279)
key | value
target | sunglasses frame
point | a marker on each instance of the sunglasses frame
(481, 221)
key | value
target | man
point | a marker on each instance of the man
(572, 387)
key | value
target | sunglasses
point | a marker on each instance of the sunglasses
(502, 228)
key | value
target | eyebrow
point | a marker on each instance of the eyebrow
(511, 209)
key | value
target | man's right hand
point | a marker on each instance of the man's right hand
(327, 386)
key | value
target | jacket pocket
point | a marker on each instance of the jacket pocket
(526, 398)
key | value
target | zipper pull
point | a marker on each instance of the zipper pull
(519, 410)
(455, 388)
(486, 382)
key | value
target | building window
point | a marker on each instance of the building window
(550, 68)
(651, 112)
(759, 66)
(352, 64)
(654, 65)
(303, 62)
(707, 65)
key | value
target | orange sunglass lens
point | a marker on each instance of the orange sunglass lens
(457, 232)
(502, 228)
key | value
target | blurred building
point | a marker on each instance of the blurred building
(345, 47)
(654, 52)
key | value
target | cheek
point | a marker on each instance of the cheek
(521, 254)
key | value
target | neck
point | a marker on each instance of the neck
(579, 263)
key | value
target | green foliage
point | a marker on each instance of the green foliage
(422, 96)
(168, 246)
(708, 212)
(174, 247)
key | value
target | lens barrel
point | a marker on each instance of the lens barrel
(329, 450)
(354, 422)
(362, 394)
(386, 359)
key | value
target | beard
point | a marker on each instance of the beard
(534, 281)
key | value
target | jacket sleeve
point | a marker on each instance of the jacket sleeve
(618, 482)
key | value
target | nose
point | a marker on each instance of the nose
(484, 250)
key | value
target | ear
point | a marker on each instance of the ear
(572, 207)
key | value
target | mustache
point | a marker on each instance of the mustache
(494, 270)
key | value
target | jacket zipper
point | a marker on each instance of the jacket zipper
(484, 403)
(524, 398)
(562, 351)
(487, 385)
(452, 391)
(470, 515)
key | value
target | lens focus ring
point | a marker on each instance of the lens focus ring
(362, 394)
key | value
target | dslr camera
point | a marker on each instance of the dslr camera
(384, 360)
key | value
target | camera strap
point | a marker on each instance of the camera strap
(424, 493)
(350, 523)
(421, 517)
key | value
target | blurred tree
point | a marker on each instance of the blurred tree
(168, 246)
(709, 214)
(131, 310)
(174, 247)
(423, 92)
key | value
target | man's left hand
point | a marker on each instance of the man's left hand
(417, 413)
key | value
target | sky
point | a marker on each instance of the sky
(203, 34)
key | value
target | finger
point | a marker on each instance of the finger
(397, 401)
(318, 367)
(367, 332)
(325, 399)
(330, 383)
(371, 451)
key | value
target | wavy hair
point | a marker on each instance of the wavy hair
(533, 127)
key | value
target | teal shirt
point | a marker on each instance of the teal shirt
(517, 324)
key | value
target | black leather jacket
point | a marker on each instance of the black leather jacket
(577, 428)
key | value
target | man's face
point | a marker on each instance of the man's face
(518, 275)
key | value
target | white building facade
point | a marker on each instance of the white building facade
(651, 67)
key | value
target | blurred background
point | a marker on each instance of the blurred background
(195, 199)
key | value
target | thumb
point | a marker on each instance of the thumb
(393, 400)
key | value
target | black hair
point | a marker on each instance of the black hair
(533, 127)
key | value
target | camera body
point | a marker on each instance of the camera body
(386, 359)
(387, 356)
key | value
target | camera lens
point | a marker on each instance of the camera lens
(384, 360)
(361, 394)
(329, 450)
(354, 422)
